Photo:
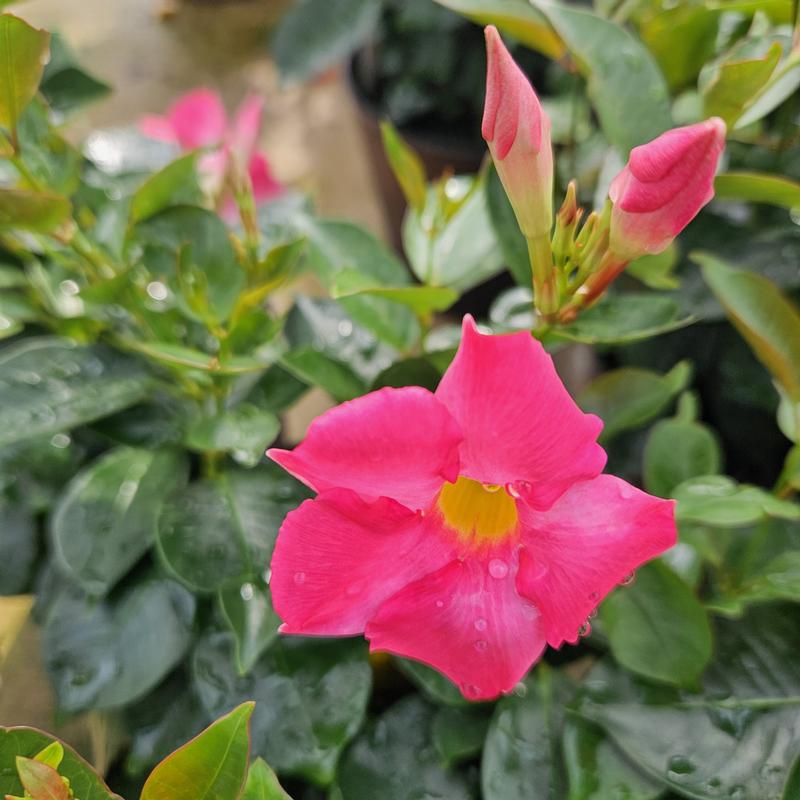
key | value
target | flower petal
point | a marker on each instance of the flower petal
(520, 424)
(198, 119)
(265, 187)
(466, 623)
(338, 558)
(576, 552)
(247, 126)
(398, 443)
(157, 127)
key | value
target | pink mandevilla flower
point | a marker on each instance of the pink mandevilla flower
(663, 186)
(198, 119)
(465, 528)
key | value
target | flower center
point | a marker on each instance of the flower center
(478, 510)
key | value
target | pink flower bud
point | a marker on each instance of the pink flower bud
(518, 134)
(663, 186)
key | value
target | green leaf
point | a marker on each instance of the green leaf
(736, 82)
(758, 187)
(763, 315)
(41, 212)
(18, 546)
(596, 768)
(252, 620)
(422, 300)
(431, 682)
(509, 236)
(40, 781)
(520, 756)
(406, 166)
(721, 502)
(320, 369)
(23, 53)
(316, 34)
(517, 18)
(105, 520)
(623, 318)
(310, 694)
(85, 783)
(782, 84)
(48, 385)
(213, 766)
(105, 656)
(417, 371)
(188, 358)
(393, 760)
(262, 783)
(676, 451)
(276, 390)
(624, 83)
(173, 185)
(65, 84)
(656, 271)
(458, 733)
(630, 397)
(453, 248)
(656, 627)
(244, 431)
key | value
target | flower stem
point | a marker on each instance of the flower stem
(545, 291)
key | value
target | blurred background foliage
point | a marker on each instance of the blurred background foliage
(150, 353)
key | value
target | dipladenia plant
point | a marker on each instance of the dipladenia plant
(466, 528)
(660, 190)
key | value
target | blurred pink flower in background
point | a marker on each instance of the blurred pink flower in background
(466, 529)
(198, 119)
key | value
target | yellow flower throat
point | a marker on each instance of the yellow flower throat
(477, 510)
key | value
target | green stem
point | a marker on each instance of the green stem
(545, 291)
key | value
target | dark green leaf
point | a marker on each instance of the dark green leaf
(252, 620)
(276, 390)
(393, 759)
(41, 212)
(213, 766)
(85, 783)
(18, 546)
(106, 519)
(657, 628)
(458, 733)
(630, 397)
(320, 369)
(410, 372)
(676, 451)
(316, 34)
(23, 53)
(509, 236)
(432, 683)
(422, 300)
(310, 695)
(48, 385)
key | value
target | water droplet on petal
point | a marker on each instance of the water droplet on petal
(299, 578)
(594, 596)
(584, 629)
(480, 624)
(481, 645)
(593, 613)
(529, 610)
(470, 689)
(512, 490)
(492, 487)
(628, 579)
(440, 604)
(498, 568)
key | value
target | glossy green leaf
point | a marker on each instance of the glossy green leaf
(262, 783)
(520, 757)
(597, 770)
(458, 733)
(176, 355)
(394, 760)
(316, 34)
(782, 84)
(517, 18)
(41, 212)
(736, 82)
(406, 165)
(720, 501)
(105, 656)
(656, 627)
(276, 390)
(18, 546)
(252, 620)
(23, 53)
(417, 371)
(319, 369)
(624, 82)
(106, 519)
(656, 271)
(676, 451)
(65, 84)
(41, 782)
(431, 682)
(631, 397)
(173, 185)
(85, 783)
(244, 431)
(48, 385)
(310, 695)
(758, 187)
(213, 766)
(422, 300)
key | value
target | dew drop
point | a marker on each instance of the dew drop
(512, 490)
(69, 287)
(481, 645)
(492, 487)
(299, 578)
(157, 290)
(529, 610)
(60, 441)
(247, 591)
(470, 690)
(594, 596)
(498, 568)
(628, 579)
(520, 690)
(344, 328)
(480, 624)
(440, 604)
(584, 629)
(681, 765)
(593, 613)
